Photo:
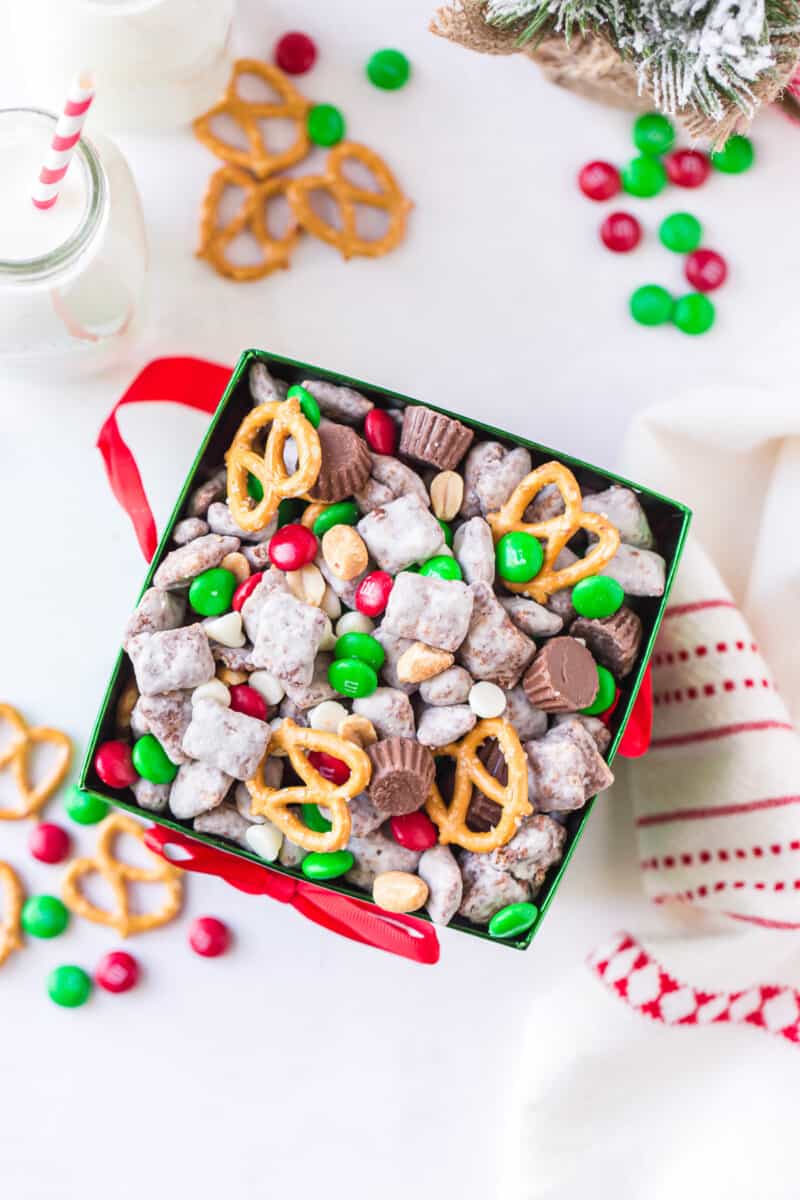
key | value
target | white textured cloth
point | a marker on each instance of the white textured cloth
(670, 1065)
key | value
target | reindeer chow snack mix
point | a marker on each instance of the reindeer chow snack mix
(383, 649)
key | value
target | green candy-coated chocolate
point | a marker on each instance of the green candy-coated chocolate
(651, 305)
(211, 592)
(597, 596)
(346, 512)
(519, 556)
(362, 646)
(290, 511)
(513, 920)
(694, 313)
(314, 819)
(352, 677)
(325, 125)
(644, 176)
(255, 489)
(69, 986)
(653, 133)
(606, 691)
(735, 156)
(83, 808)
(327, 866)
(447, 531)
(680, 232)
(308, 405)
(442, 566)
(388, 69)
(44, 916)
(151, 761)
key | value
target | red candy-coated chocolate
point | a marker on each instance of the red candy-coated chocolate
(621, 232)
(599, 180)
(330, 768)
(292, 547)
(380, 431)
(295, 53)
(247, 700)
(114, 765)
(687, 168)
(49, 843)
(209, 937)
(246, 589)
(415, 831)
(117, 971)
(372, 594)
(705, 270)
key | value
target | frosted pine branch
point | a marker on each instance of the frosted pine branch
(702, 54)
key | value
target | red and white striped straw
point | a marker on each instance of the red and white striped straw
(66, 137)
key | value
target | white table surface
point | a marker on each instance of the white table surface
(302, 1061)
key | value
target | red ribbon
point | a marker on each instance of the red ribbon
(353, 919)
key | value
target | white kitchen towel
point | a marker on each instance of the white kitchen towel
(669, 1065)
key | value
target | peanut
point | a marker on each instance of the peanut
(447, 493)
(307, 584)
(420, 662)
(311, 513)
(344, 551)
(399, 891)
(230, 677)
(125, 706)
(358, 730)
(238, 565)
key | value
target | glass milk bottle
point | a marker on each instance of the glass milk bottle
(72, 277)
(158, 63)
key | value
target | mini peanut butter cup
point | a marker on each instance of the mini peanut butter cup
(614, 641)
(346, 463)
(430, 437)
(402, 774)
(562, 677)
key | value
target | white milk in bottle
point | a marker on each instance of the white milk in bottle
(72, 276)
(158, 63)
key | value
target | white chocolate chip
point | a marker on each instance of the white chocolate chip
(487, 699)
(227, 630)
(215, 689)
(354, 622)
(307, 584)
(331, 604)
(327, 716)
(266, 840)
(328, 640)
(275, 725)
(268, 686)
(447, 493)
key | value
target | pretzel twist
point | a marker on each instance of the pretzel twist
(249, 114)
(451, 819)
(118, 875)
(273, 803)
(24, 737)
(13, 896)
(252, 216)
(556, 532)
(388, 197)
(285, 420)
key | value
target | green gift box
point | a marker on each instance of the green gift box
(668, 519)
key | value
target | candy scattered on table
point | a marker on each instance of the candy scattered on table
(69, 986)
(694, 313)
(295, 53)
(388, 69)
(209, 937)
(687, 168)
(705, 270)
(49, 843)
(653, 133)
(621, 232)
(117, 972)
(644, 177)
(85, 809)
(651, 305)
(599, 181)
(680, 232)
(736, 156)
(326, 125)
(44, 916)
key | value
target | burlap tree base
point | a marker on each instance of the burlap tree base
(592, 67)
